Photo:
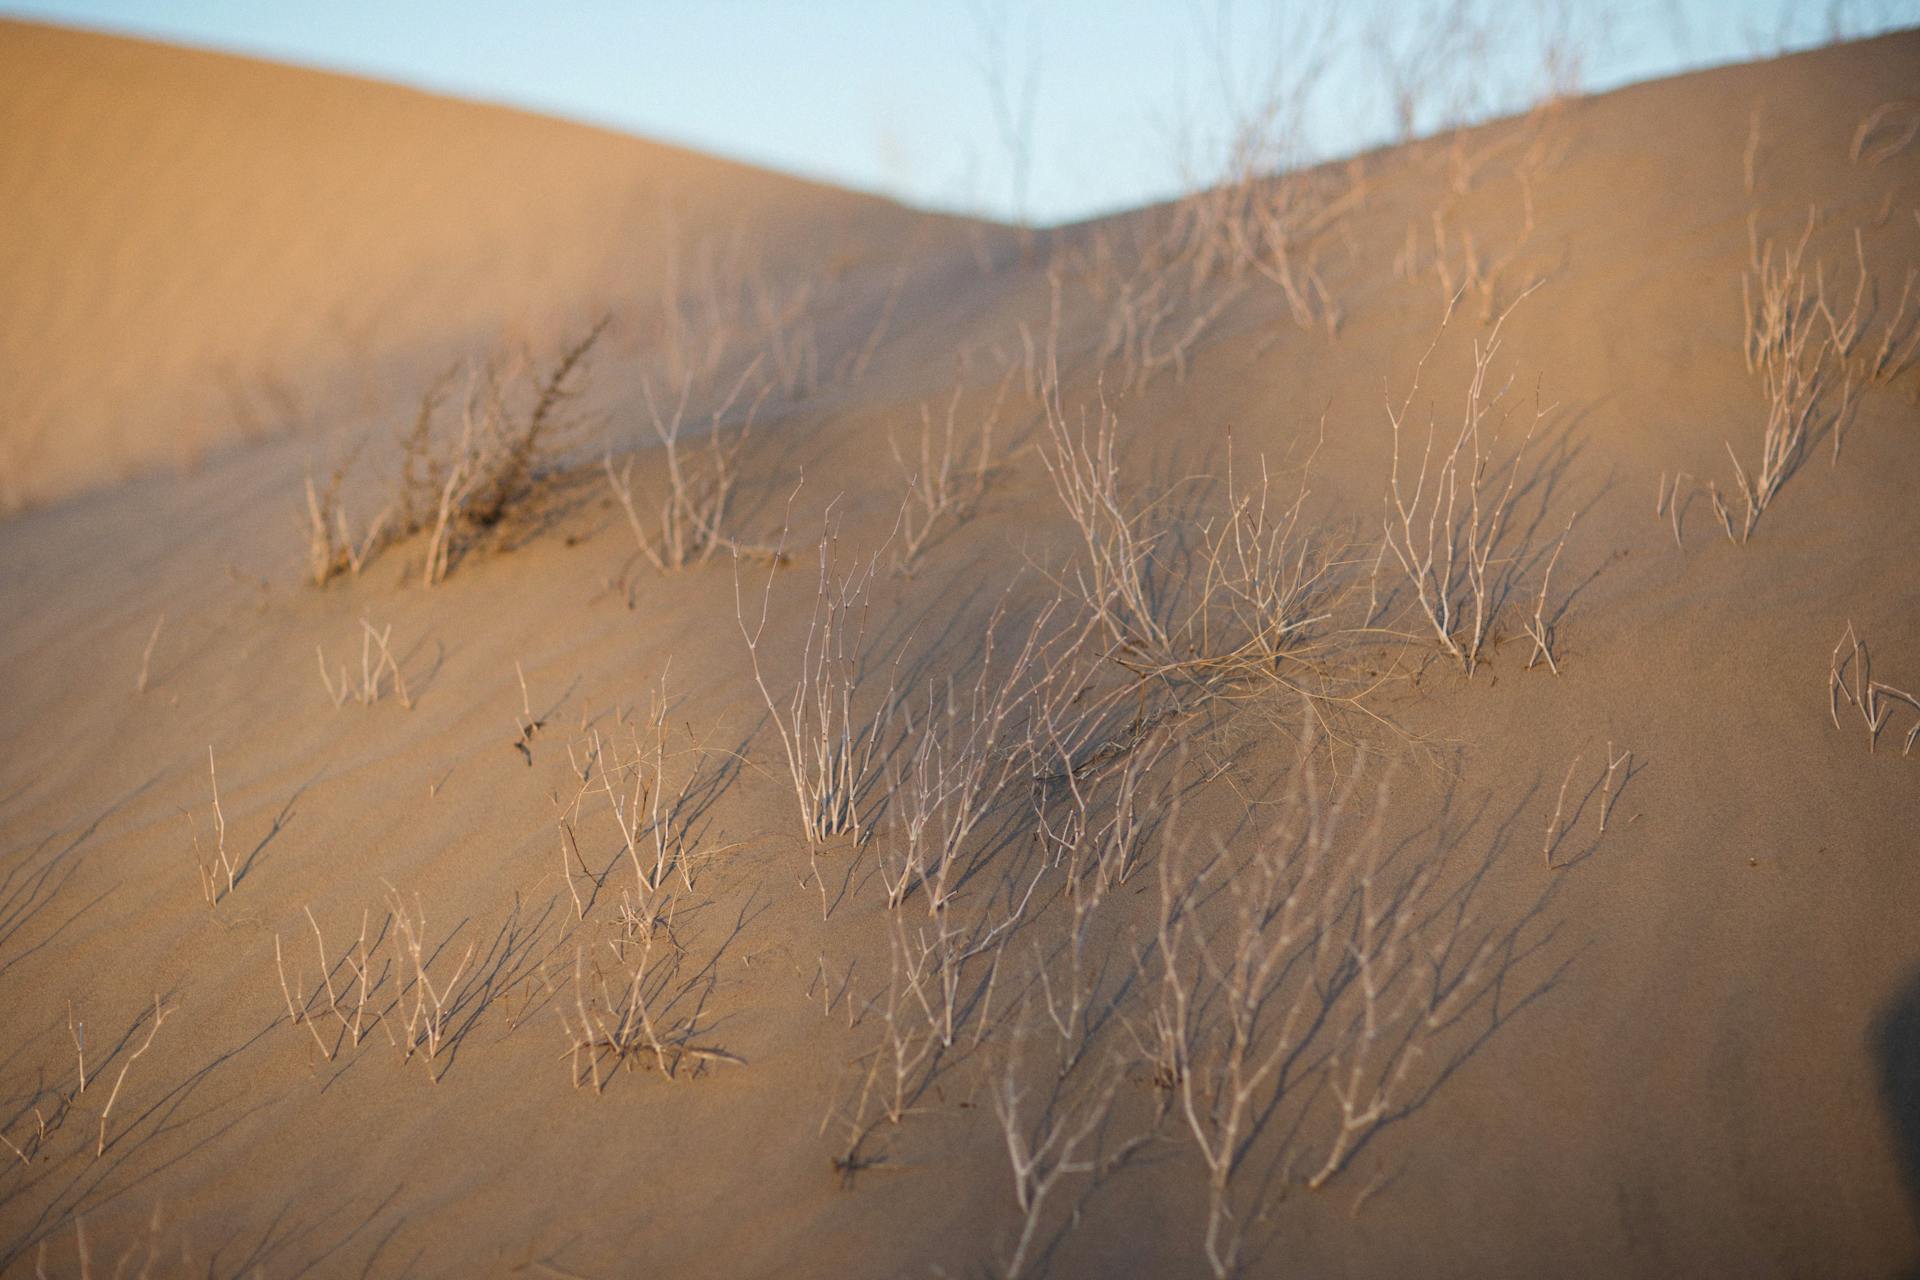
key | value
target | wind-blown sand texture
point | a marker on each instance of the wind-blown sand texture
(1658, 1019)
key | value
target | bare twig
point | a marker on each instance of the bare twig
(1554, 830)
(1539, 630)
(1607, 794)
(146, 654)
(160, 1014)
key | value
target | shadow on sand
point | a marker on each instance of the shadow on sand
(1894, 1042)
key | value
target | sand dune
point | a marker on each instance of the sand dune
(1654, 1019)
(203, 249)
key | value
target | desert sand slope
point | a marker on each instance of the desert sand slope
(240, 250)
(1687, 1044)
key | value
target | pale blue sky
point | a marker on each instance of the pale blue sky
(891, 96)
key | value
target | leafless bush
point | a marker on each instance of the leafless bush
(1299, 960)
(632, 1012)
(1667, 503)
(961, 755)
(974, 751)
(396, 977)
(1257, 206)
(1011, 91)
(1241, 607)
(1479, 273)
(937, 497)
(1850, 679)
(1847, 333)
(1094, 825)
(1268, 99)
(897, 1067)
(1608, 795)
(1793, 370)
(831, 744)
(1057, 1139)
(494, 473)
(698, 486)
(346, 1002)
(511, 463)
(423, 990)
(160, 1012)
(1145, 335)
(1899, 340)
(656, 819)
(1445, 519)
(514, 425)
(941, 975)
(136, 1259)
(1089, 802)
(1280, 237)
(1431, 61)
(425, 1000)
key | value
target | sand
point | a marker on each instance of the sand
(1688, 1046)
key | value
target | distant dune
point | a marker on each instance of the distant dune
(202, 248)
(1361, 723)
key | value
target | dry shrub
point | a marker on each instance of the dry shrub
(682, 525)
(1246, 599)
(1448, 511)
(482, 486)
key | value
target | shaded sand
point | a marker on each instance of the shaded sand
(1689, 1047)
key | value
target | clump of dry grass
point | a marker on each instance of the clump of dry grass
(1555, 829)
